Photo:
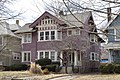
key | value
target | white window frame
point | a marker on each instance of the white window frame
(115, 33)
(28, 52)
(56, 35)
(55, 56)
(95, 38)
(16, 56)
(96, 58)
(73, 32)
(23, 37)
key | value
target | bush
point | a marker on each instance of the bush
(56, 63)
(107, 68)
(117, 68)
(43, 62)
(51, 67)
(18, 67)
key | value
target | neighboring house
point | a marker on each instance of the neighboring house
(62, 36)
(104, 55)
(113, 45)
(9, 44)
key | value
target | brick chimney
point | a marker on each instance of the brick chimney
(17, 22)
(109, 14)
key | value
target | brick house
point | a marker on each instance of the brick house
(62, 36)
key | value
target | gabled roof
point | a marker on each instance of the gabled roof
(110, 22)
(73, 22)
(5, 29)
(14, 26)
(24, 29)
(42, 16)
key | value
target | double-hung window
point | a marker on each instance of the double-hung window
(52, 35)
(26, 56)
(48, 54)
(41, 35)
(94, 56)
(27, 38)
(49, 35)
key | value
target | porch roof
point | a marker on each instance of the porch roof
(113, 45)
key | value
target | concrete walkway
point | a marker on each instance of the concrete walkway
(63, 78)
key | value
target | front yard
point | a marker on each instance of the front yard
(8, 75)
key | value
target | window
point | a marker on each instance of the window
(48, 54)
(16, 56)
(41, 55)
(117, 33)
(93, 38)
(49, 35)
(94, 56)
(52, 55)
(1, 40)
(77, 32)
(52, 35)
(73, 32)
(26, 57)
(41, 35)
(27, 38)
(69, 32)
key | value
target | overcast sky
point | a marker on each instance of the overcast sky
(31, 12)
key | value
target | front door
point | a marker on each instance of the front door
(68, 57)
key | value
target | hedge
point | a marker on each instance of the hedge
(43, 62)
(110, 68)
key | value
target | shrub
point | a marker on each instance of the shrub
(18, 67)
(56, 63)
(43, 62)
(117, 68)
(51, 67)
(107, 68)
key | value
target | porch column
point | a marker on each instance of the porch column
(109, 56)
(75, 58)
(61, 56)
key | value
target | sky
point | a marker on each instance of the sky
(30, 12)
(28, 9)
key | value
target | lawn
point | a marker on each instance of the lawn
(97, 77)
(8, 75)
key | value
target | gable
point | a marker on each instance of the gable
(115, 22)
(45, 15)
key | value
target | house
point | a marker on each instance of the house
(55, 37)
(113, 45)
(9, 44)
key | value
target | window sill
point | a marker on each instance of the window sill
(47, 40)
(26, 42)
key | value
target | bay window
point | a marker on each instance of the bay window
(48, 54)
(49, 35)
(41, 35)
(52, 35)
